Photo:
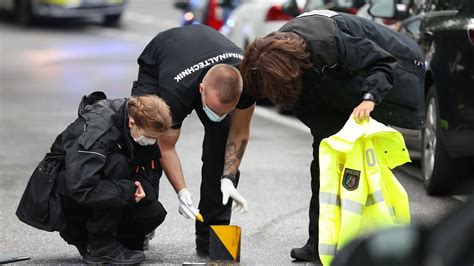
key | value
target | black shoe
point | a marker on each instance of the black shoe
(308, 252)
(113, 253)
(202, 246)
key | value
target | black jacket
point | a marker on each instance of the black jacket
(352, 56)
(86, 143)
(74, 166)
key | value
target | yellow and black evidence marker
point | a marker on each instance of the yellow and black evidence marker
(225, 243)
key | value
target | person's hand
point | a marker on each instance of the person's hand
(186, 207)
(363, 110)
(139, 192)
(228, 190)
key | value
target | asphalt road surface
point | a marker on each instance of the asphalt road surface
(44, 71)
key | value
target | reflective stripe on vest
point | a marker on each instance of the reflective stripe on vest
(326, 249)
(350, 205)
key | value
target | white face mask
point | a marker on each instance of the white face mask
(213, 116)
(144, 141)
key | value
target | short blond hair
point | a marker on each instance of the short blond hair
(150, 112)
(227, 80)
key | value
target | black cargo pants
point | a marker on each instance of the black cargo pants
(213, 151)
(128, 225)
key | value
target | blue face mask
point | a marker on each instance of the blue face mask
(213, 116)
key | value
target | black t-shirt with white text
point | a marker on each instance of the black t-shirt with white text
(174, 63)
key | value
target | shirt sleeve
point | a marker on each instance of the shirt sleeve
(147, 81)
(245, 100)
(361, 54)
(177, 108)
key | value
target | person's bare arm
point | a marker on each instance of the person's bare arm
(237, 139)
(170, 159)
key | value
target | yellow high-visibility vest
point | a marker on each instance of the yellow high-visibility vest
(358, 192)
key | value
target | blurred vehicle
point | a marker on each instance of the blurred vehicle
(444, 29)
(390, 23)
(213, 13)
(27, 10)
(256, 18)
(346, 6)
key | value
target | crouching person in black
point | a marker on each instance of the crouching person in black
(108, 177)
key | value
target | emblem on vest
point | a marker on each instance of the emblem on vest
(350, 179)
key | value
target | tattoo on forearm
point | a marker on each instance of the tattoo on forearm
(240, 152)
(232, 155)
(230, 150)
(229, 153)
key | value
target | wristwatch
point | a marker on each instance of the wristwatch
(231, 178)
(369, 97)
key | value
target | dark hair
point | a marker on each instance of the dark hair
(150, 112)
(273, 66)
(227, 80)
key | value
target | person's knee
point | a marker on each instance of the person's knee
(160, 214)
(156, 214)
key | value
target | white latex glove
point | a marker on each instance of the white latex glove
(228, 190)
(186, 204)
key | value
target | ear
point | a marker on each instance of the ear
(131, 122)
(201, 88)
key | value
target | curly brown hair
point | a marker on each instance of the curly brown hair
(273, 66)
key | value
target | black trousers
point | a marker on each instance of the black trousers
(128, 225)
(323, 122)
(213, 150)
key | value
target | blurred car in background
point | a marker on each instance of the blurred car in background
(25, 11)
(213, 13)
(444, 29)
(256, 18)
(346, 6)
(387, 22)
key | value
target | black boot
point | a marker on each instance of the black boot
(113, 253)
(308, 252)
(202, 245)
